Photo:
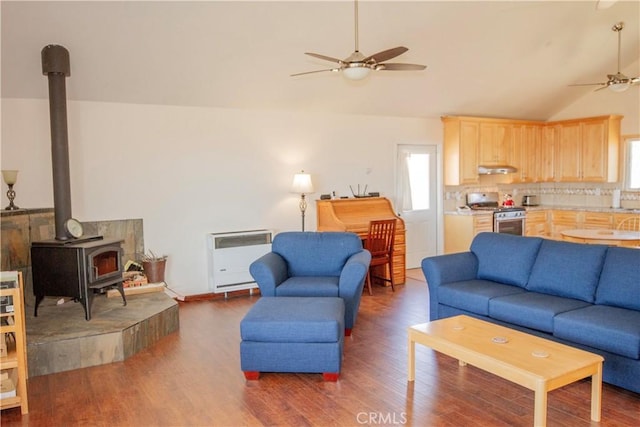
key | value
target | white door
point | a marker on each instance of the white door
(416, 200)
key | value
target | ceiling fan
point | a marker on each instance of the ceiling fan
(358, 66)
(616, 82)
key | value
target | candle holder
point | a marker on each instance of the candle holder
(10, 177)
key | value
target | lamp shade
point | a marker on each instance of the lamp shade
(302, 183)
(10, 176)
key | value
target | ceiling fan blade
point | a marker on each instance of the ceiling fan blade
(590, 84)
(312, 72)
(400, 67)
(386, 55)
(603, 87)
(635, 80)
(324, 57)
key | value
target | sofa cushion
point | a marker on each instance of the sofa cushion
(473, 295)
(567, 269)
(308, 287)
(531, 309)
(294, 320)
(324, 253)
(613, 329)
(619, 283)
(505, 258)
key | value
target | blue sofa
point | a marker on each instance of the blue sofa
(586, 296)
(312, 264)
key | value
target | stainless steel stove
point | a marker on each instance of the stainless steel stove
(506, 219)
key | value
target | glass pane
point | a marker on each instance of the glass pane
(418, 165)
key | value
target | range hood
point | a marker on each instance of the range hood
(496, 169)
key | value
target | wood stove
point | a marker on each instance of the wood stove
(77, 269)
(71, 264)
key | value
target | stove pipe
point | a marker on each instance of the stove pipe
(55, 64)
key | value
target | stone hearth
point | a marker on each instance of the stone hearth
(60, 339)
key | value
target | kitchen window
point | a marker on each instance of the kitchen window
(632, 163)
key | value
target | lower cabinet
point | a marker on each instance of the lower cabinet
(459, 230)
(536, 224)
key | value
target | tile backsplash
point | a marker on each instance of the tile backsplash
(550, 194)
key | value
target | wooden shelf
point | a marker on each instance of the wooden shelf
(16, 358)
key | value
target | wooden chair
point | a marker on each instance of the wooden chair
(630, 224)
(379, 242)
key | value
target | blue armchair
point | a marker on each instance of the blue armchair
(321, 264)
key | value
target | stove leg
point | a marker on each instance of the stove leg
(39, 299)
(121, 290)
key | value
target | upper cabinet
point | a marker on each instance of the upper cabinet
(588, 150)
(461, 142)
(525, 151)
(577, 150)
(495, 142)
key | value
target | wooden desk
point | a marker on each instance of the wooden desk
(603, 237)
(355, 214)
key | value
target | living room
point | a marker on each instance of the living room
(209, 145)
(189, 169)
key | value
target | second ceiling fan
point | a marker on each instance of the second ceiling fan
(358, 66)
(617, 82)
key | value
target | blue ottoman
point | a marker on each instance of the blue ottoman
(293, 334)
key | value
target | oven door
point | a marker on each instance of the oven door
(513, 226)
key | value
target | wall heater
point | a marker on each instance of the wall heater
(230, 255)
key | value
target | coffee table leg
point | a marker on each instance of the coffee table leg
(412, 358)
(540, 408)
(596, 394)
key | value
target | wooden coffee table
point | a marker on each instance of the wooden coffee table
(536, 363)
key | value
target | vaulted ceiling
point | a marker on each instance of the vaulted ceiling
(502, 59)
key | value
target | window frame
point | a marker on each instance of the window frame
(627, 140)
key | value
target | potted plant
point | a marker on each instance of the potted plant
(154, 266)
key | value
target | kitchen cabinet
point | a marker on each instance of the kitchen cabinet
(536, 224)
(495, 141)
(596, 220)
(563, 220)
(568, 220)
(525, 152)
(461, 142)
(459, 230)
(546, 157)
(588, 150)
(579, 150)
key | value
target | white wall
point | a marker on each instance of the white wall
(191, 171)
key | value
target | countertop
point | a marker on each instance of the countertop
(590, 234)
(548, 207)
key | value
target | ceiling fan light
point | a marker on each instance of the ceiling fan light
(356, 73)
(619, 87)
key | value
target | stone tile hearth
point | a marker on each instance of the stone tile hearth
(60, 339)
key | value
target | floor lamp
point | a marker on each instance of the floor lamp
(302, 184)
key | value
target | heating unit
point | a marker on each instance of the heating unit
(229, 256)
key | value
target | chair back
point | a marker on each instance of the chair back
(316, 253)
(380, 239)
(630, 224)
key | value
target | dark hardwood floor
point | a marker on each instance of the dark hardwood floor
(193, 378)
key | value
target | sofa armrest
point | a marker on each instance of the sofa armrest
(442, 269)
(351, 283)
(269, 271)
(449, 268)
(353, 273)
